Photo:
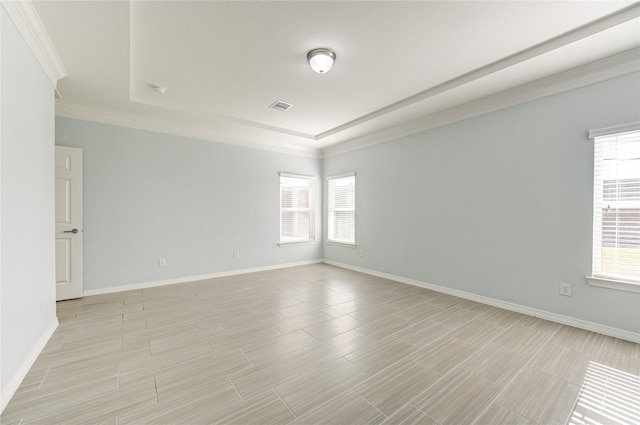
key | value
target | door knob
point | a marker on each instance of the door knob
(71, 231)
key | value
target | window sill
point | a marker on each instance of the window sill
(296, 243)
(619, 285)
(345, 244)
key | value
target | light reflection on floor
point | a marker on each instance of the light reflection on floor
(608, 396)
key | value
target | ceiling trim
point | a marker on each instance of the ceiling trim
(103, 116)
(604, 69)
(614, 66)
(604, 23)
(26, 19)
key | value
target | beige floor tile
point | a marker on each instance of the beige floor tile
(102, 408)
(374, 312)
(539, 324)
(344, 308)
(389, 389)
(423, 333)
(550, 403)
(142, 338)
(383, 327)
(328, 350)
(347, 408)
(304, 393)
(409, 415)
(197, 378)
(445, 301)
(608, 395)
(148, 368)
(455, 317)
(333, 327)
(501, 317)
(374, 358)
(235, 350)
(181, 410)
(264, 410)
(496, 363)
(474, 306)
(265, 376)
(420, 312)
(617, 361)
(579, 339)
(279, 346)
(562, 362)
(246, 339)
(620, 346)
(407, 302)
(498, 415)
(444, 355)
(522, 339)
(477, 333)
(300, 321)
(457, 398)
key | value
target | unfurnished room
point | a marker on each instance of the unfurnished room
(320, 212)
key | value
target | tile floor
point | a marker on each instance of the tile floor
(319, 344)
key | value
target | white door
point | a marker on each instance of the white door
(68, 223)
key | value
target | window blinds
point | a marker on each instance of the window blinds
(296, 213)
(341, 194)
(616, 230)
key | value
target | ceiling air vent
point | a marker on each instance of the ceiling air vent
(280, 105)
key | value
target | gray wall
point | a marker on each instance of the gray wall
(149, 196)
(498, 206)
(27, 256)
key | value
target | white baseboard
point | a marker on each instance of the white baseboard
(11, 388)
(143, 285)
(542, 314)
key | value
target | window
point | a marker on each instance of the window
(296, 208)
(341, 197)
(616, 215)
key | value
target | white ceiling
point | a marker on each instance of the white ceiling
(224, 63)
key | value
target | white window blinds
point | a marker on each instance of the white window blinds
(296, 208)
(616, 216)
(341, 197)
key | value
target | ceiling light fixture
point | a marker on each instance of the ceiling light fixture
(321, 60)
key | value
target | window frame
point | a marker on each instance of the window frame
(289, 241)
(336, 241)
(597, 277)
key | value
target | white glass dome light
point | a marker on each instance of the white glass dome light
(321, 60)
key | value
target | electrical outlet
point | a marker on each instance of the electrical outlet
(362, 252)
(236, 255)
(162, 262)
(565, 289)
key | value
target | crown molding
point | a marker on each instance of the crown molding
(614, 66)
(85, 113)
(607, 22)
(26, 19)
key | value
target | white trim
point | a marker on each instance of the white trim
(619, 285)
(26, 19)
(297, 176)
(604, 69)
(144, 285)
(614, 66)
(607, 131)
(18, 377)
(139, 122)
(542, 314)
(295, 243)
(537, 50)
(343, 244)
(339, 176)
